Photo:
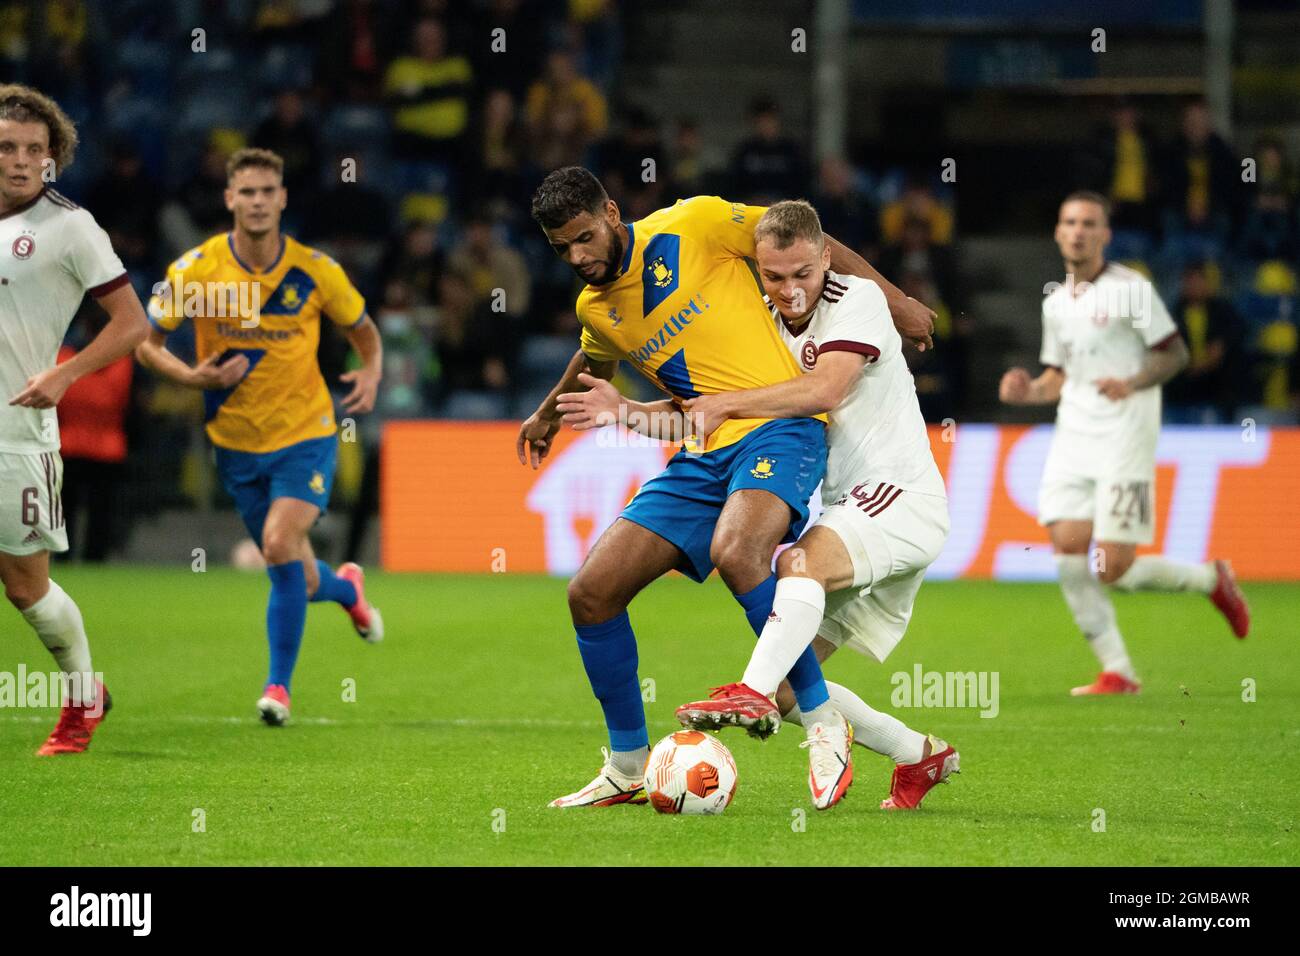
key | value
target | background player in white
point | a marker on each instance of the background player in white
(887, 512)
(1108, 346)
(51, 254)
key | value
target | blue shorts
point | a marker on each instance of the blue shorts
(681, 504)
(254, 479)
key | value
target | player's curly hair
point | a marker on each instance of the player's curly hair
(251, 156)
(22, 104)
(567, 192)
(789, 220)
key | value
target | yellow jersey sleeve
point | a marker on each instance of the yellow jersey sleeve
(727, 228)
(166, 308)
(594, 345)
(340, 300)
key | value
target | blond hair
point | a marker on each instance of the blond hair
(787, 221)
(250, 157)
(22, 104)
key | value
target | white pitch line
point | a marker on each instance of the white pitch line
(502, 722)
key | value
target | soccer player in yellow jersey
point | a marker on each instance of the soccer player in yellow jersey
(673, 295)
(256, 298)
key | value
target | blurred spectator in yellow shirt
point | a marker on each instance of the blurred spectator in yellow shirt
(429, 94)
(565, 106)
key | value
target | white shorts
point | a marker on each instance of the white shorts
(31, 513)
(892, 536)
(1121, 507)
(1107, 480)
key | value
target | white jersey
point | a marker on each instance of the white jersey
(52, 252)
(1097, 330)
(876, 432)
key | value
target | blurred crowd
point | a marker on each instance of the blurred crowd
(1216, 228)
(414, 132)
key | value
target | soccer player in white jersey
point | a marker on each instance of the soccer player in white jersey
(1108, 346)
(52, 253)
(853, 576)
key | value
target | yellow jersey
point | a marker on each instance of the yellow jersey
(686, 310)
(272, 316)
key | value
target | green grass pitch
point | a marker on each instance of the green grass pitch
(475, 712)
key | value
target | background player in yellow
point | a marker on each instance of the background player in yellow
(256, 298)
(674, 295)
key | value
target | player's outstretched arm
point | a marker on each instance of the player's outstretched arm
(535, 434)
(210, 373)
(914, 320)
(364, 337)
(1017, 388)
(602, 404)
(1160, 365)
(125, 330)
(817, 392)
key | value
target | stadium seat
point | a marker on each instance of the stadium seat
(527, 401)
(137, 111)
(543, 356)
(344, 126)
(147, 64)
(201, 113)
(285, 66)
(215, 62)
(1259, 310)
(1129, 244)
(475, 406)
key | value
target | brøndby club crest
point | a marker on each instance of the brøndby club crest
(661, 273)
(764, 467)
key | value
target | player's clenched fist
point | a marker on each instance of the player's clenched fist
(915, 322)
(594, 408)
(1014, 387)
(43, 390)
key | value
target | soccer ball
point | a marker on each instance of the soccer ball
(690, 772)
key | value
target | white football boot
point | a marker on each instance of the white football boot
(610, 788)
(830, 764)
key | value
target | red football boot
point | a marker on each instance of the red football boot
(1227, 597)
(273, 705)
(912, 781)
(365, 617)
(1107, 682)
(732, 705)
(77, 722)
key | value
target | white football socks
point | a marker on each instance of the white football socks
(57, 621)
(1093, 613)
(876, 731)
(797, 609)
(818, 715)
(630, 763)
(1155, 572)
